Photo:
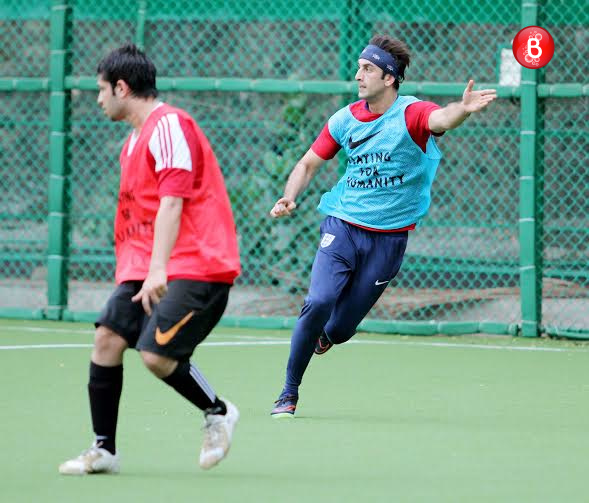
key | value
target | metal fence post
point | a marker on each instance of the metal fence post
(60, 169)
(530, 224)
(140, 29)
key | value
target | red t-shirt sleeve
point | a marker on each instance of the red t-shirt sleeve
(176, 156)
(416, 119)
(175, 182)
(325, 146)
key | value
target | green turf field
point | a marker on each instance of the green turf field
(383, 419)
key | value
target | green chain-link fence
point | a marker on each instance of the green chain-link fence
(506, 244)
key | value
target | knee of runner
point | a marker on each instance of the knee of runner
(323, 305)
(158, 365)
(340, 335)
(107, 343)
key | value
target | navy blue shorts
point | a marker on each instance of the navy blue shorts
(182, 320)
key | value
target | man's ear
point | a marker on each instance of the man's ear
(389, 80)
(122, 89)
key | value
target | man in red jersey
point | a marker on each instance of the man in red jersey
(177, 257)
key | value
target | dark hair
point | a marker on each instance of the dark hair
(130, 64)
(398, 50)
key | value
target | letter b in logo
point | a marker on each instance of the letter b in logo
(533, 47)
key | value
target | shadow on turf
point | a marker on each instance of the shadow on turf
(354, 417)
(339, 418)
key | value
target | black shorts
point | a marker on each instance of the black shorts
(182, 320)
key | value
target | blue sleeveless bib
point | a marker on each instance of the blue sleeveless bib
(388, 177)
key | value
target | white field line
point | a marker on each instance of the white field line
(45, 346)
(23, 328)
(249, 340)
(74, 346)
(91, 331)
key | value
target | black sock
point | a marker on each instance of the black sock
(218, 409)
(191, 384)
(104, 389)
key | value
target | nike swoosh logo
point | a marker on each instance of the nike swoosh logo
(162, 338)
(354, 144)
(377, 283)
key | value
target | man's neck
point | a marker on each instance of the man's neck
(382, 103)
(140, 111)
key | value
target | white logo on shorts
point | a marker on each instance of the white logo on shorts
(326, 240)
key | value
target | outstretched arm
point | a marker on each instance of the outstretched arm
(298, 180)
(454, 114)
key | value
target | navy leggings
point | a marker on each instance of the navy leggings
(351, 270)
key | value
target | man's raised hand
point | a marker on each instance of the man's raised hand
(474, 101)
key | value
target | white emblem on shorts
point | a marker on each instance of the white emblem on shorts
(326, 240)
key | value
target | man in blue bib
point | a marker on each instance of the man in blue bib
(384, 193)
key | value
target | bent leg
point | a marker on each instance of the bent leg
(329, 276)
(379, 262)
(354, 304)
(182, 320)
(186, 379)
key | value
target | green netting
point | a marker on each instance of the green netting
(565, 145)
(25, 39)
(23, 211)
(568, 23)
(462, 265)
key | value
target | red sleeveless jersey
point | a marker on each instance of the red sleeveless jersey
(172, 157)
